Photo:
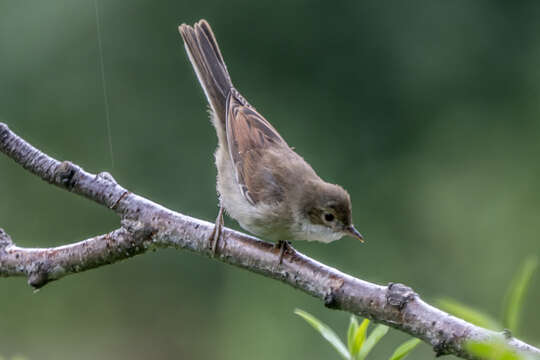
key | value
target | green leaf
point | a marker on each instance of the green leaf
(404, 349)
(326, 332)
(516, 293)
(492, 351)
(359, 338)
(353, 325)
(469, 314)
(372, 340)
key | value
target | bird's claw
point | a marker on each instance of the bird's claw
(216, 234)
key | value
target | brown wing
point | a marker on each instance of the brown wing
(249, 135)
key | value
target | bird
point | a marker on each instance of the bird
(262, 183)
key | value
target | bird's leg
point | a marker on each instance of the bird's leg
(283, 247)
(216, 234)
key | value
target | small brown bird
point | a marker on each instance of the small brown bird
(262, 183)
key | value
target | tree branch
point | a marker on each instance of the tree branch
(44, 265)
(146, 224)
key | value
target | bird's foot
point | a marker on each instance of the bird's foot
(216, 234)
(284, 246)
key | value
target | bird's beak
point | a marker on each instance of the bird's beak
(351, 231)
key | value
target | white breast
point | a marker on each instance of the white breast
(312, 232)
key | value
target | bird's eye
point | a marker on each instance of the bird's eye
(329, 217)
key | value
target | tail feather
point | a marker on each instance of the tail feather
(203, 24)
(206, 58)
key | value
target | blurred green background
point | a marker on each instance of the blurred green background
(428, 112)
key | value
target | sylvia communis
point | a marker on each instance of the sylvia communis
(262, 183)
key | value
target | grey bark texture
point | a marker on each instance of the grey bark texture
(145, 225)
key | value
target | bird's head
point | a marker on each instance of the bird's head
(326, 212)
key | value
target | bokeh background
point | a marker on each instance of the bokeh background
(428, 112)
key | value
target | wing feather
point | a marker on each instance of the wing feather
(249, 136)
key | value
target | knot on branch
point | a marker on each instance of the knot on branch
(331, 297)
(442, 348)
(38, 276)
(65, 174)
(107, 176)
(5, 239)
(399, 295)
(330, 300)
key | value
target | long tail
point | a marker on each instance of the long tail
(204, 54)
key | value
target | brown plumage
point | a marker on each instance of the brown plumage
(263, 184)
